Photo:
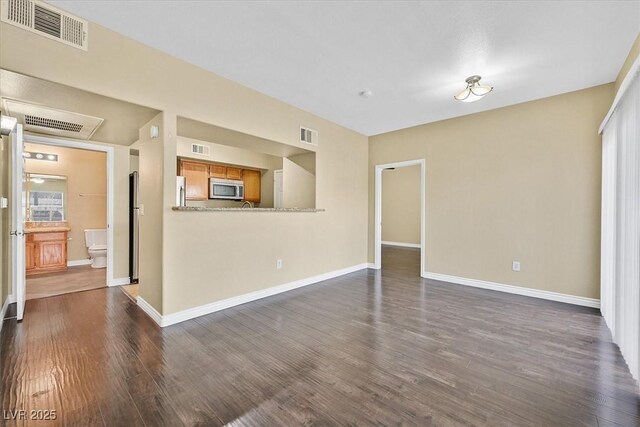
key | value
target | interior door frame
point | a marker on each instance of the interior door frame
(18, 256)
(377, 225)
(84, 145)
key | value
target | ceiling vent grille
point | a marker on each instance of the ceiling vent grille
(52, 124)
(46, 20)
(51, 121)
(308, 136)
(200, 149)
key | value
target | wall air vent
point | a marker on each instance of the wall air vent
(308, 136)
(51, 121)
(200, 149)
(46, 20)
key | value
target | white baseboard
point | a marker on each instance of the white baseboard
(120, 281)
(372, 265)
(401, 244)
(181, 316)
(78, 262)
(518, 290)
(151, 312)
(8, 300)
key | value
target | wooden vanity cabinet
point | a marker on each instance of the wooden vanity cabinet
(45, 252)
(252, 188)
(197, 179)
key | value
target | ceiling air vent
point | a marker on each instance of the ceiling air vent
(200, 149)
(46, 20)
(308, 136)
(41, 119)
(52, 124)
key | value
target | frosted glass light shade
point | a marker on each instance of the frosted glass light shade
(474, 90)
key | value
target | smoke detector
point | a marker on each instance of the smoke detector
(52, 121)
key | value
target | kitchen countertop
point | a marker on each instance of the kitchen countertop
(206, 209)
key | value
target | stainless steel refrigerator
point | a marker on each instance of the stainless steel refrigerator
(134, 227)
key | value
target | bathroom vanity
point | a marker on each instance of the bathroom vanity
(46, 226)
(45, 248)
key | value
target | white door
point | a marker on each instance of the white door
(277, 188)
(17, 219)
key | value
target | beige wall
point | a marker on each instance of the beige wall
(150, 168)
(230, 254)
(401, 205)
(234, 156)
(516, 183)
(86, 173)
(299, 181)
(634, 52)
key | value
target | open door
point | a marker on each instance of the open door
(17, 219)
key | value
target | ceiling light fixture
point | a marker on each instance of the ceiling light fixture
(474, 90)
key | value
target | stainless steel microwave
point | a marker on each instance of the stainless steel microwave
(228, 189)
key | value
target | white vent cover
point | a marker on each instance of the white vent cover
(37, 118)
(46, 20)
(308, 136)
(200, 149)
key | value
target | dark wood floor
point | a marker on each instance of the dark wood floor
(369, 348)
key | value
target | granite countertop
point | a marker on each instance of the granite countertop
(46, 229)
(206, 209)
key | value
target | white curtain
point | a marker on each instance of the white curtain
(620, 256)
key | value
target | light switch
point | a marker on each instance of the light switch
(141, 209)
(4, 203)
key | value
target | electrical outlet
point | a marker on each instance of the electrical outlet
(278, 264)
(516, 266)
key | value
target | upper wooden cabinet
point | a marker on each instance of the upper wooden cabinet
(252, 187)
(197, 176)
(217, 171)
(234, 173)
(225, 172)
(196, 179)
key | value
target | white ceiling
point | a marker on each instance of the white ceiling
(414, 56)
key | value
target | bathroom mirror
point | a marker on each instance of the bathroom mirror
(46, 197)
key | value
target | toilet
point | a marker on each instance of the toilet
(96, 241)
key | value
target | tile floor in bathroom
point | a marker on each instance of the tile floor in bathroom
(75, 279)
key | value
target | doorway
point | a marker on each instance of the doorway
(65, 206)
(52, 254)
(378, 210)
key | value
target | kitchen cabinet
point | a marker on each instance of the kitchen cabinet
(196, 178)
(234, 173)
(45, 252)
(218, 171)
(225, 172)
(252, 188)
